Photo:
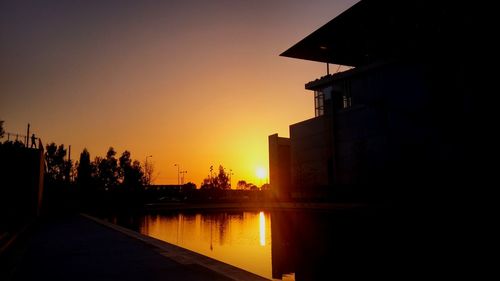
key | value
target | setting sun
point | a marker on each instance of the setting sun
(261, 173)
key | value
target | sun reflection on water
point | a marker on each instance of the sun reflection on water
(262, 229)
(242, 239)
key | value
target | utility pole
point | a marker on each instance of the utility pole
(28, 135)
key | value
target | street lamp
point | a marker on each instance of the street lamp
(178, 172)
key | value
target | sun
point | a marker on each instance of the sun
(261, 173)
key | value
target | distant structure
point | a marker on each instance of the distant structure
(397, 118)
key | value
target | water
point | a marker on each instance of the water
(285, 245)
(240, 239)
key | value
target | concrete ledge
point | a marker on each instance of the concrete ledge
(183, 256)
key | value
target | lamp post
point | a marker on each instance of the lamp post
(146, 170)
(178, 172)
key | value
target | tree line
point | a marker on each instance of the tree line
(112, 173)
(101, 173)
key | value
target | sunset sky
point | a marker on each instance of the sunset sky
(194, 83)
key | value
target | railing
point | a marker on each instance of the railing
(16, 137)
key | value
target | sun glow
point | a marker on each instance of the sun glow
(261, 173)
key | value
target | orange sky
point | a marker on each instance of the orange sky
(198, 83)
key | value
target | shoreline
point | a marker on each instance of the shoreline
(270, 206)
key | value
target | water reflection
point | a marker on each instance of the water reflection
(284, 245)
(237, 238)
(262, 229)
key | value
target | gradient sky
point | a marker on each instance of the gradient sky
(197, 83)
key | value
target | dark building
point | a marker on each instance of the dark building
(279, 157)
(21, 188)
(401, 114)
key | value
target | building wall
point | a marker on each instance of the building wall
(312, 153)
(279, 165)
(400, 129)
(386, 119)
(21, 185)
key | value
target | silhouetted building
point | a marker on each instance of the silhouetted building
(399, 115)
(279, 163)
(21, 186)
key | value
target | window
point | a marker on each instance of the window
(346, 95)
(323, 101)
(319, 106)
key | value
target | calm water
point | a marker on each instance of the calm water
(240, 239)
(282, 245)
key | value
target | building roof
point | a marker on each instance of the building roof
(374, 30)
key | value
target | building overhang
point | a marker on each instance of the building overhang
(375, 30)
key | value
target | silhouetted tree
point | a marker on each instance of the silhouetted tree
(149, 169)
(131, 172)
(246, 185)
(206, 183)
(84, 169)
(58, 169)
(220, 181)
(222, 178)
(242, 185)
(2, 131)
(107, 169)
(125, 164)
(95, 173)
(136, 174)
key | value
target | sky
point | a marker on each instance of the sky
(193, 83)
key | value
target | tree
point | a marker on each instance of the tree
(242, 185)
(207, 183)
(58, 169)
(125, 164)
(95, 173)
(136, 175)
(107, 170)
(84, 169)
(2, 131)
(220, 181)
(222, 178)
(246, 185)
(131, 172)
(148, 173)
